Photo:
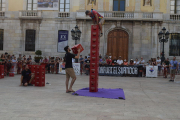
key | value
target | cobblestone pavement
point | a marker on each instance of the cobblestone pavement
(146, 99)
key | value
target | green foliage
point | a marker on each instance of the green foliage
(38, 52)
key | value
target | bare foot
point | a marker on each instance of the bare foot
(71, 90)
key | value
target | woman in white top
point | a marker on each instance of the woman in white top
(136, 62)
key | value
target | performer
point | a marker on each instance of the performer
(69, 68)
(26, 77)
(97, 19)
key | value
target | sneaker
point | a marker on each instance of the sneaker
(101, 34)
(30, 84)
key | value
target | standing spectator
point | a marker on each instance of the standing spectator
(100, 55)
(110, 55)
(142, 62)
(87, 66)
(14, 63)
(125, 62)
(131, 62)
(159, 65)
(85, 58)
(81, 60)
(136, 62)
(164, 69)
(106, 56)
(88, 55)
(9, 64)
(167, 66)
(119, 61)
(179, 67)
(19, 64)
(52, 62)
(103, 62)
(56, 65)
(174, 67)
(46, 61)
(100, 59)
(114, 62)
(109, 61)
(154, 63)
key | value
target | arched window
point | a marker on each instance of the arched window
(30, 40)
(118, 5)
(1, 38)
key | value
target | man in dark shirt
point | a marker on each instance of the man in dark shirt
(26, 77)
(69, 68)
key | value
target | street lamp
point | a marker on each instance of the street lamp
(163, 38)
(76, 34)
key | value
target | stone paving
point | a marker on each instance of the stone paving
(146, 99)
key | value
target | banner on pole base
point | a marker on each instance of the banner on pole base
(151, 71)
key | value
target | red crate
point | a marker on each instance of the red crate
(11, 74)
(76, 47)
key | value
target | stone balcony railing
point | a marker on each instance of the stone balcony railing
(131, 16)
(175, 17)
(64, 14)
(2, 14)
(26, 14)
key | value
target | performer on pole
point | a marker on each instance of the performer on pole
(69, 68)
(97, 19)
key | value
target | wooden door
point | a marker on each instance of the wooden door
(117, 44)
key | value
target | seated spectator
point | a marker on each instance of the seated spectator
(131, 62)
(26, 77)
(136, 62)
(114, 62)
(109, 61)
(120, 61)
(87, 65)
(125, 62)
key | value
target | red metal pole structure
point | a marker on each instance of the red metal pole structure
(94, 61)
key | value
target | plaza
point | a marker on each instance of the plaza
(146, 99)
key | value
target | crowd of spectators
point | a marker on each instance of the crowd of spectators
(163, 68)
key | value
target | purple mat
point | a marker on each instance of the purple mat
(102, 93)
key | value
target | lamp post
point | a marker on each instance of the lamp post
(76, 34)
(163, 38)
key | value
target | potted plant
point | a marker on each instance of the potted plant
(38, 57)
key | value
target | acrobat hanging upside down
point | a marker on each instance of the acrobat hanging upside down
(97, 19)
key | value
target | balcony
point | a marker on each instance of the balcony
(26, 14)
(175, 17)
(63, 14)
(130, 16)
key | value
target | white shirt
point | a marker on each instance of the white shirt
(120, 62)
(142, 62)
(136, 63)
(73, 60)
(158, 62)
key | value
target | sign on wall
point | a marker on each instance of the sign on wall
(62, 40)
(48, 4)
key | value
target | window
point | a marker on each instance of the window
(31, 4)
(64, 6)
(147, 3)
(174, 44)
(2, 5)
(1, 38)
(90, 2)
(175, 7)
(119, 5)
(30, 40)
